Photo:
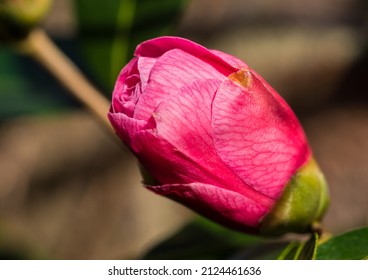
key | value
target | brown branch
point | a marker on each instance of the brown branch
(40, 47)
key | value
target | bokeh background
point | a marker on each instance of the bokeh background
(68, 190)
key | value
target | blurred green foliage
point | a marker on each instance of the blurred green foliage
(110, 30)
(204, 239)
(17, 18)
(351, 245)
(26, 88)
(301, 250)
(108, 33)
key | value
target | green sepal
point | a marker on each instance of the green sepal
(302, 204)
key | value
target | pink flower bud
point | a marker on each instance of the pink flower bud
(216, 137)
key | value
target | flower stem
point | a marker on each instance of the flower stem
(40, 47)
(321, 231)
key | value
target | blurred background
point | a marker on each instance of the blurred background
(68, 190)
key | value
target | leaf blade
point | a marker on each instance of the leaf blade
(352, 245)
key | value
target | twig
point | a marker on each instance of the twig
(40, 47)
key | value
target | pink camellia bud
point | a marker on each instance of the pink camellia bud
(217, 138)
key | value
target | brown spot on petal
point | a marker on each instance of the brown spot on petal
(242, 78)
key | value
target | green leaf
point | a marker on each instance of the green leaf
(26, 88)
(110, 31)
(297, 250)
(203, 239)
(290, 251)
(309, 250)
(348, 246)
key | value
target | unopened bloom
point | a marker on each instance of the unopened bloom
(19, 17)
(217, 138)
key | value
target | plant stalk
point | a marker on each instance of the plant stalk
(40, 47)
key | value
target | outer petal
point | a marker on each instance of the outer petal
(225, 206)
(172, 70)
(168, 164)
(125, 127)
(261, 140)
(158, 46)
(180, 149)
(163, 161)
(270, 89)
(184, 120)
(232, 60)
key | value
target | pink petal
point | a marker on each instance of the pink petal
(130, 84)
(261, 140)
(184, 120)
(158, 46)
(171, 71)
(125, 127)
(162, 160)
(231, 60)
(225, 206)
(270, 89)
(145, 65)
(125, 84)
(180, 149)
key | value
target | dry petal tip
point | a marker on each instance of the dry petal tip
(242, 77)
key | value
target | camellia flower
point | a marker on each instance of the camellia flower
(217, 138)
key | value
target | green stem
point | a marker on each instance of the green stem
(41, 48)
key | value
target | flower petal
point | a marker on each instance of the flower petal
(184, 120)
(180, 149)
(122, 97)
(281, 101)
(125, 127)
(158, 46)
(162, 160)
(231, 60)
(145, 65)
(171, 71)
(227, 207)
(261, 140)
